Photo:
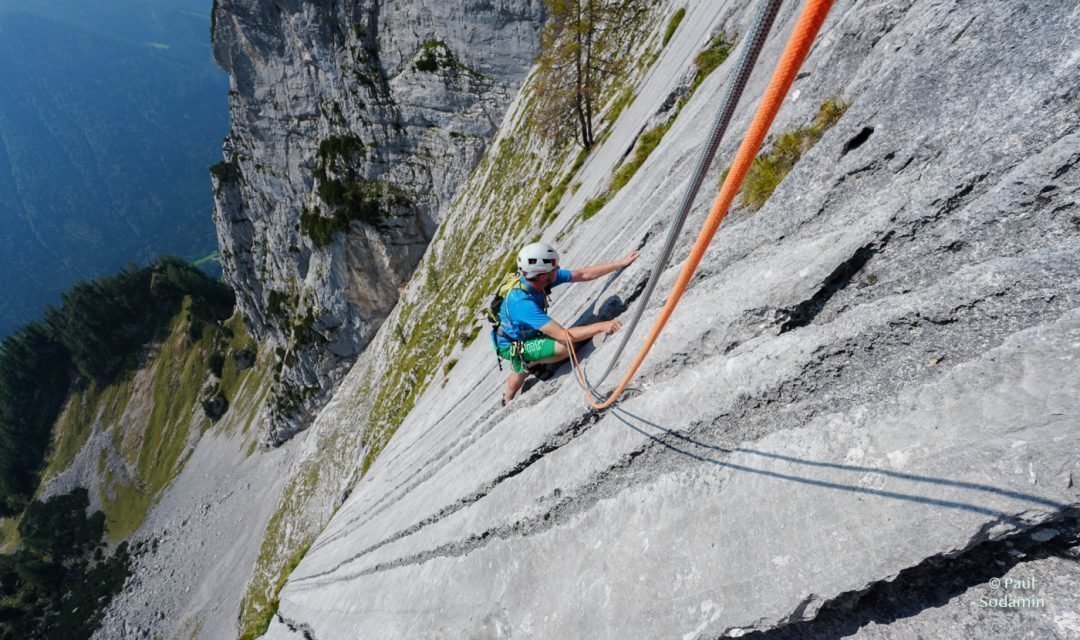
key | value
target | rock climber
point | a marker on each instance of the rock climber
(527, 336)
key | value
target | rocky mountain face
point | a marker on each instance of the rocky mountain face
(862, 419)
(863, 415)
(353, 125)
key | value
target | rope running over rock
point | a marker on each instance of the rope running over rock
(798, 46)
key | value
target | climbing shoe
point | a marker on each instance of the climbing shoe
(542, 371)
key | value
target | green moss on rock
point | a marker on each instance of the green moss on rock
(226, 172)
(770, 168)
(712, 57)
(345, 146)
(435, 55)
(369, 201)
(673, 24)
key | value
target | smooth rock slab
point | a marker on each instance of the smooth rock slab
(978, 456)
(872, 373)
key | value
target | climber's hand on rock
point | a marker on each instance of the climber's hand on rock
(610, 327)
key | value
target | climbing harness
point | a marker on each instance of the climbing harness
(798, 46)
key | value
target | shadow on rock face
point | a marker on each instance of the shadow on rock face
(832, 476)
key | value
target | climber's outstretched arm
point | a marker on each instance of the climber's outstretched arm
(555, 330)
(600, 270)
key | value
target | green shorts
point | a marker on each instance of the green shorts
(532, 350)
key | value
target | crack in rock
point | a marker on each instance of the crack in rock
(805, 312)
(434, 462)
(933, 582)
(965, 194)
(297, 627)
(425, 472)
(856, 141)
(605, 484)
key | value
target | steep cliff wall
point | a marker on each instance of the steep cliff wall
(863, 410)
(353, 124)
(872, 378)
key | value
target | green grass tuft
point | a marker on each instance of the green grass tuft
(435, 54)
(830, 113)
(9, 535)
(769, 169)
(710, 58)
(260, 602)
(467, 337)
(592, 207)
(346, 146)
(258, 620)
(449, 366)
(623, 100)
(673, 24)
(645, 146)
(369, 201)
(226, 173)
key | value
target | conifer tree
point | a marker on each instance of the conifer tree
(580, 47)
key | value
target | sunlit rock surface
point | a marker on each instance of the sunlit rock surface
(389, 103)
(870, 380)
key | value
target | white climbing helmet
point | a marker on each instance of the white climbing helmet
(537, 258)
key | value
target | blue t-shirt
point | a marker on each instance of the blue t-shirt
(523, 314)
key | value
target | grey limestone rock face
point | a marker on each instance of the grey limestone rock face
(871, 381)
(353, 124)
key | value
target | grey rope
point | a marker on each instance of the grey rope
(758, 32)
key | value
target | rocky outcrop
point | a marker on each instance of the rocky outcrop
(353, 124)
(869, 390)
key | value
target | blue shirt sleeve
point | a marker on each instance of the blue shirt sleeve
(562, 277)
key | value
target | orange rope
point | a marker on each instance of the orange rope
(798, 46)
